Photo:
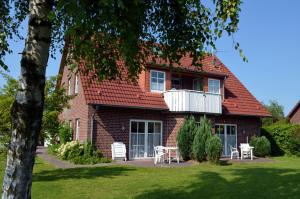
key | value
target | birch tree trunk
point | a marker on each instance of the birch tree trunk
(28, 106)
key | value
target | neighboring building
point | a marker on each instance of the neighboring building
(151, 111)
(294, 115)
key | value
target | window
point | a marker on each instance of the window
(198, 84)
(76, 84)
(176, 83)
(157, 81)
(214, 86)
(69, 87)
(77, 129)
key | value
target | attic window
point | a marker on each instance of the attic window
(76, 84)
(214, 86)
(157, 81)
(69, 87)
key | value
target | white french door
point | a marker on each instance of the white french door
(228, 135)
(144, 135)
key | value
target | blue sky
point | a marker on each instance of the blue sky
(269, 35)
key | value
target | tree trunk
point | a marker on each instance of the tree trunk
(28, 106)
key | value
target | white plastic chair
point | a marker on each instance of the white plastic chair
(234, 152)
(118, 150)
(245, 150)
(159, 154)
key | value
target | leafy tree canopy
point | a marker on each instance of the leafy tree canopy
(276, 110)
(127, 30)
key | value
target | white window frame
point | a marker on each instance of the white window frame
(155, 90)
(146, 136)
(76, 84)
(69, 87)
(214, 80)
(225, 134)
(197, 79)
(77, 128)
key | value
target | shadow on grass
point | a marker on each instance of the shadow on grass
(80, 173)
(244, 183)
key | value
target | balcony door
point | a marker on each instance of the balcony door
(144, 135)
(228, 135)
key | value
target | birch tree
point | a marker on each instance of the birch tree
(100, 32)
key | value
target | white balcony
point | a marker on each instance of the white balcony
(193, 101)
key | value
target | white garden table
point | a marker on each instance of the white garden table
(248, 148)
(169, 150)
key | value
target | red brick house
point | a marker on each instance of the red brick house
(151, 111)
(294, 115)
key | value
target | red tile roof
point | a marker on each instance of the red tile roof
(238, 100)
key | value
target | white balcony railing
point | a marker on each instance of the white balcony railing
(193, 101)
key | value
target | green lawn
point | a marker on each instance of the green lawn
(278, 179)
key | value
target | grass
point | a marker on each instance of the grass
(278, 179)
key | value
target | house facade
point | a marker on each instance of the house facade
(151, 111)
(294, 115)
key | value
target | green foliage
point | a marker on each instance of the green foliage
(80, 153)
(277, 112)
(203, 133)
(185, 137)
(55, 101)
(120, 28)
(284, 138)
(52, 149)
(262, 146)
(213, 149)
(65, 133)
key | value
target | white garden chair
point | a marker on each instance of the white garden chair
(159, 154)
(245, 150)
(118, 150)
(234, 152)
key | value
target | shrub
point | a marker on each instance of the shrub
(213, 149)
(65, 133)
(284, 138)
(185, 137)
(81, 153)
(202, 134)
(262, 146)
(52, 149)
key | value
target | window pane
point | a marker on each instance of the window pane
(161, 75)
(141, 139)
(134, 127)
(150, 127)
(161, 87)
(141, 127)
(154, 74)
(157, 127)
(133, 139)
(153, 86)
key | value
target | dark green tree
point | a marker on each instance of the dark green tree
(185, 137)
(203, 133)
(101, 33)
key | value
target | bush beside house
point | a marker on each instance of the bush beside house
(185, 138)
(78, 153)
(203, 133)
(284, 138)
(262, 146)
(213, 149)
(197, 142)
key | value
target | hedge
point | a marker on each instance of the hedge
(284, 138)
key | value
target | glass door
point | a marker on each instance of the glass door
(154, 137)
(220, 131)
(228, 136)
(144, 135)
(137, 139)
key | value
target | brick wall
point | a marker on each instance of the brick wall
(78, 107)
(112, 124)
(295, 118)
